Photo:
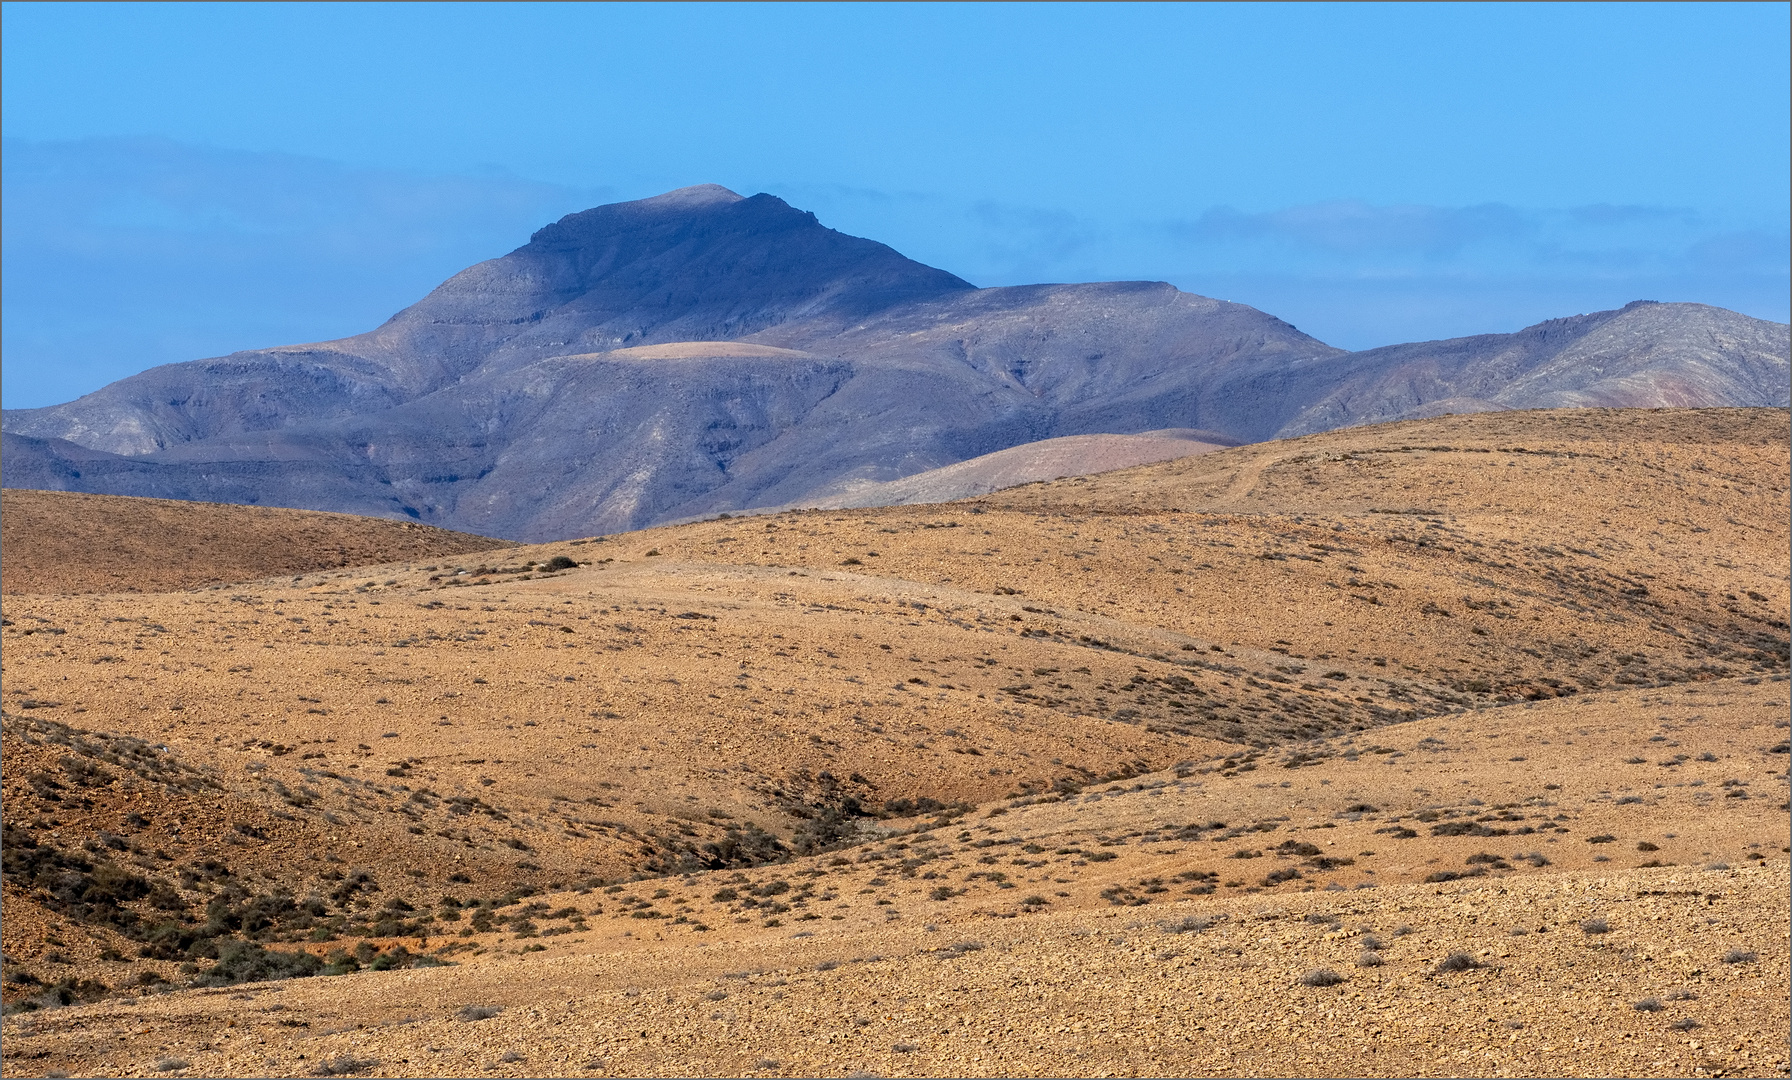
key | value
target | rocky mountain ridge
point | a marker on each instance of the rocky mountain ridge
(701, 352)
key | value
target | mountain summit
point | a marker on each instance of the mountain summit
(701, 351)
(697, 264)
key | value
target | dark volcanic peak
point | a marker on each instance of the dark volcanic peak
(697, 196)
(697, 264)
(700, 352)
(700, 263)
(601, 222)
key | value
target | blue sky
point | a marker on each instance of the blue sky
(185, 180)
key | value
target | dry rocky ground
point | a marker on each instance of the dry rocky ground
(1091, 777)
(69, 542)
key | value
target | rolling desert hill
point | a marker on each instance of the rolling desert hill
(699, 353)
(68, 543)
(1092, 775)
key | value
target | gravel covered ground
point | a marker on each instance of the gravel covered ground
(1198, 768)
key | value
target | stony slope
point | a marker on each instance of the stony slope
(1604, 919)
(1412, 655)
(699, 353)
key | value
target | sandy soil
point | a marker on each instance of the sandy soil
(1157, 743)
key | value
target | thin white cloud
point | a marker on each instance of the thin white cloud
(1350, 227)
(1354, 237)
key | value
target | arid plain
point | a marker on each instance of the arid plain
(1447, 747)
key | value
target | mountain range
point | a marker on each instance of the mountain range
(700, 352)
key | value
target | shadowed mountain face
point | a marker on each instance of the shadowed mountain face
(702, 352)
(697, 264)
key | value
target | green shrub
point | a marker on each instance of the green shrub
(245, 961)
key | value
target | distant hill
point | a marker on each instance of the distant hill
(69, 543)
(1646, 354)
(700, 352)
(1029, 463)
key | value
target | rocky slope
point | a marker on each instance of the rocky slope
(1483, 715)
